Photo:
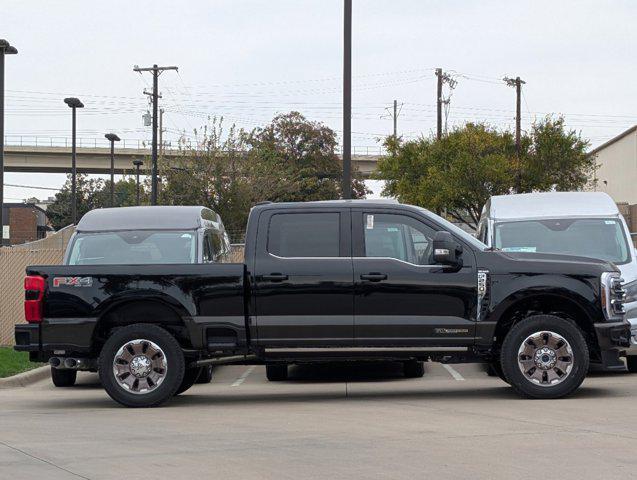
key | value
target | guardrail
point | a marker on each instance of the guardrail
(138, 144)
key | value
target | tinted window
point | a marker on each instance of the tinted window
(587, 237)
(399, 237)
(304, 235)
(133, 248)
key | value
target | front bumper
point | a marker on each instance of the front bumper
(613, 338)
(631, 316)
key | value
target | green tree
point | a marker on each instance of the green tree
(290, 159)
(216, 174)
(458, 173)
(296, 160)
(91, 193)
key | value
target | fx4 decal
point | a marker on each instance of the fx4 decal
(73, 281)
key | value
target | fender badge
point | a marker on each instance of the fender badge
(73, 281)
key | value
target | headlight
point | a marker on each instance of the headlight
(612, 295)
(631, 291)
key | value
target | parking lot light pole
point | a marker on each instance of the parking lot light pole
(5, 49)
(111, 137)
(138, 164)
(74, 104)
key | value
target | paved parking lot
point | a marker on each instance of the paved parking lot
(329, 422)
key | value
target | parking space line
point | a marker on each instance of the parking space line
(453, 372)
(243, 376)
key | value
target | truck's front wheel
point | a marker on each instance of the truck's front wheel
(141, 365)
(545, 356)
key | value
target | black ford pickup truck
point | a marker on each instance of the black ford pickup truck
(325, 281)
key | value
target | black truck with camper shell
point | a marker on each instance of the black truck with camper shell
(141, 235)
(330, 281)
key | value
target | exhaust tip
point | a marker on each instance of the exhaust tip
(55, 362)
(70, 363)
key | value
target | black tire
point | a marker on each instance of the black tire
(544, 323)
(172, 376)
(413, 369)
(276, 373)
(63, 377)
(191, 376)
(205, 376)
(631, 363)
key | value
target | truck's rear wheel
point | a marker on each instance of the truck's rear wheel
(63, 377)
(545, 356)
(141, 365)
(413, 369)
(276, 373)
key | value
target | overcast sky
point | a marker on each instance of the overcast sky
(250, 59)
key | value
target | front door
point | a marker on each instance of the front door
(304, 280)
(401, 297)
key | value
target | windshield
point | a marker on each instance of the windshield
(601, 238)
(133, 247)
(459, 232)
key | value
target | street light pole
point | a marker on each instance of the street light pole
(74, 104)
(111, 137)
(138, 164)
(347, 100)
(5, 49)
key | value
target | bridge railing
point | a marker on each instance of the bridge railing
(138, 144)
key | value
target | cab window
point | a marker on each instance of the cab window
(398, 236)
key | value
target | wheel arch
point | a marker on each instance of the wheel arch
(153, 311)
(546, 304)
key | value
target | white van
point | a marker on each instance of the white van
(586, 224)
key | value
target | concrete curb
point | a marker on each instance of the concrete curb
(26, 378)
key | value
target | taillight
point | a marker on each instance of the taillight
(34, 287)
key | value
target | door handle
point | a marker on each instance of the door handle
(374, 277)
(274, 277)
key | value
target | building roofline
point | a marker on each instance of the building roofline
(613, 140)
(23, 205)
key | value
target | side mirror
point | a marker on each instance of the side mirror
(446, 250)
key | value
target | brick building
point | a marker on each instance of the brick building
(23, 222)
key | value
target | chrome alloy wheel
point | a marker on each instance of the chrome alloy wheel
(545, 358)
(140, 366)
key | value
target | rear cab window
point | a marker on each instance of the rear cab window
(314, 234)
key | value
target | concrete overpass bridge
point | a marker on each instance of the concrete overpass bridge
(53, 155)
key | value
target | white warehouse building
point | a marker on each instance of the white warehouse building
(617, 167)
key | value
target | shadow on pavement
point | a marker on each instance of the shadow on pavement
(346, 372)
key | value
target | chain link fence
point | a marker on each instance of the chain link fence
(13, 262)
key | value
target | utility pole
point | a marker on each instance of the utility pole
(161, 133)
(393, 115)
(439, 104)
(5, 49)
(395, 119)
(156, 71)
(517, 83)
(347, 100)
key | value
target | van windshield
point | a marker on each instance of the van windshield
(601, 238)
(133, 247)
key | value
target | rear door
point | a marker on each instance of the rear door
(401, 297)
(304, 278)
